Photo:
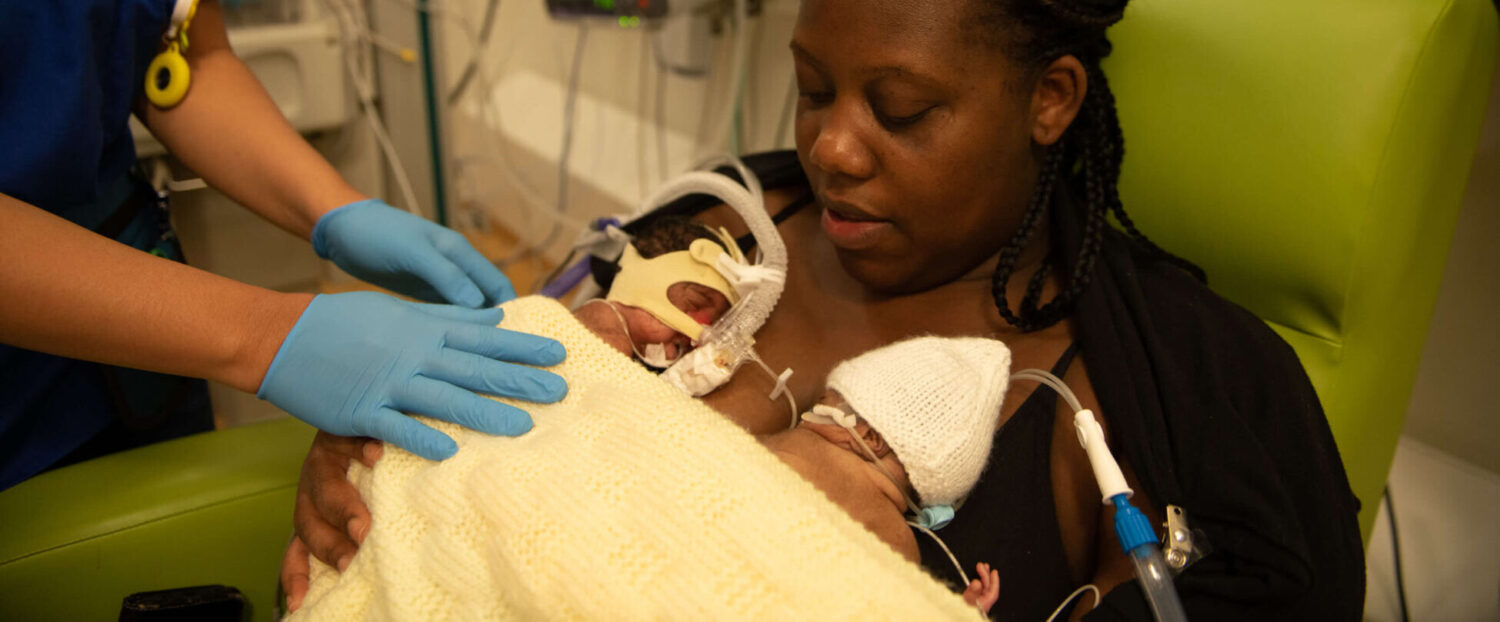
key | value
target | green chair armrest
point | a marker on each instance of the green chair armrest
(214, 508)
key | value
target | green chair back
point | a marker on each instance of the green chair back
(1312, 157)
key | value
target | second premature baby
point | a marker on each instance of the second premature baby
(905, 429)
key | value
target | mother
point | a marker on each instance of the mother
(963, 155)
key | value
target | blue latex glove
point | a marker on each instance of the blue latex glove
(355, 362)
(391, 248)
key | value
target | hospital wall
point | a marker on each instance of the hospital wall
(634, 124)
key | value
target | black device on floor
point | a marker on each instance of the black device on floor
(206, 603)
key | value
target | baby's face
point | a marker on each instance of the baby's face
(700, 302)
(840, 436)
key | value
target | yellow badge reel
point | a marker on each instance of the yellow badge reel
(168, 77)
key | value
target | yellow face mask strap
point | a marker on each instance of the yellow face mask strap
(644, 282)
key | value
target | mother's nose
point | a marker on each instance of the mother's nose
(840, 147)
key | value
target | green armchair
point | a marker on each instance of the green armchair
(1310, 156)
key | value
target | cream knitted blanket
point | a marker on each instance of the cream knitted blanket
(628, 500)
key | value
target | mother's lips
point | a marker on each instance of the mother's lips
(848, 212)
(852, 229)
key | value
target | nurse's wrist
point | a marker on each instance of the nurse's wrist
(266, 326)
(314, 208)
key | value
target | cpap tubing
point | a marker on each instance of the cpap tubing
(1137, 538)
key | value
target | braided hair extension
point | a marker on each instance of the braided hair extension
(1087, 157)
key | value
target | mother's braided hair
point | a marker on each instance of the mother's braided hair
(1087, 157)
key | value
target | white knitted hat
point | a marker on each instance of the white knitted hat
(937, 403)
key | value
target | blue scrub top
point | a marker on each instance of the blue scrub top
(72, 70)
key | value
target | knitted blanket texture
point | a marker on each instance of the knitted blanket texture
(628, 500)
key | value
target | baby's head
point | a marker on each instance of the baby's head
(926, 408)
(666, 290)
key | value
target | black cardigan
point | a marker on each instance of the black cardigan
(1216, 415)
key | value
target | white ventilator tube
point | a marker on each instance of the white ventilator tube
(1137, 538)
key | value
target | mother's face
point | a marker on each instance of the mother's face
(915, 134)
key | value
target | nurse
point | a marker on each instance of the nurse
(105, 336)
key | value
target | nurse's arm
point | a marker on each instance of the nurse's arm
(229, 131)
(74, 293)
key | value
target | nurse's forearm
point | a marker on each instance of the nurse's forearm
(71, 292)
(230, 132)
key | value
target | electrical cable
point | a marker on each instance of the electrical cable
(1390, 510)
(352, 22)
(1074, 595)
(738, 65)
(643, 178)
(564, 155)
(471, 67)
(660, 104)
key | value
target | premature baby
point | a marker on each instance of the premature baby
(905, 428)
(902, 428)
(667, 290)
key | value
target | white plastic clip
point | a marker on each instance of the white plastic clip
(1106, 470)
(781, 383)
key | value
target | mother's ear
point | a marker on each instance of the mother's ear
(1056, 98)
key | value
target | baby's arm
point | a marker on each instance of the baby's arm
(846, 480)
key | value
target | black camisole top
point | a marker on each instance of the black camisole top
(1009, 520)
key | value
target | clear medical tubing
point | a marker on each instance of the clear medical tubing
(1156, 581)
(747, 203)
(1137, 538)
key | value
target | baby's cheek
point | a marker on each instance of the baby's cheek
(645, 328)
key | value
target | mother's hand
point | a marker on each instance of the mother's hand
(329, 517)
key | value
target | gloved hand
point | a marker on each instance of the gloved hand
(407, 254)
(355, 362)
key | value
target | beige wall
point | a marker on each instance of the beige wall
(1453, 406)
(507, 148)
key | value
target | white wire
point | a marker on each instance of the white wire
(565, 152)
(944, 545)
(1074, 595)
(490, 114)
(352, 23)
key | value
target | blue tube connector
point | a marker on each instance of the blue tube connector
(1133, 528)
(1139, 542)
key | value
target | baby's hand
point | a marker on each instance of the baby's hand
(984, 590)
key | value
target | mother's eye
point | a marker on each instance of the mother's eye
(900, 121)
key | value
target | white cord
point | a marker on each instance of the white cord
(352, 23)
(1074, 595)
(565, 152)
(741, 62)
(951, 558)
